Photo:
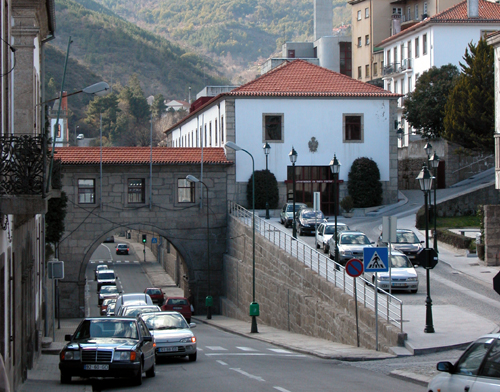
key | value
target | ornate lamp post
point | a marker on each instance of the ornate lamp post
(425, 180)
(434, 161)
(267, 150)
(254, 306)
(208, 299)
(335, 167)
(293, 158)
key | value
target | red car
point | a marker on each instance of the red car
(178, 304)
(156, 295)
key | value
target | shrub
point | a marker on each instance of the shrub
(266, 187)
(347, 204)
(364, 183)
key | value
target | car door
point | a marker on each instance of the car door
(147, 347)
(488, 379)
(319, 235)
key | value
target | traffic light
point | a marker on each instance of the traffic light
(144, 239)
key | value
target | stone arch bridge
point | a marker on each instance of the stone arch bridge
(138, 188)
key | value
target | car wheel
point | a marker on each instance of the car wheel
(414, 291)
(317, 246)
(326, 249)
(299, 232)
(151, 372)
(192, 357)
(65, 378)
(138, 377)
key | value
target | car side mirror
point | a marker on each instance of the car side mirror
(147, 338)
(445, 367)
(67, 338)
(422, 241)
(192, 325)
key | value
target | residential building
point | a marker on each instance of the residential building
(316, 111)
(25, 27)
(177, 105)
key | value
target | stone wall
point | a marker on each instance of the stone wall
(292, 296)
(492, 234)
(467, 204)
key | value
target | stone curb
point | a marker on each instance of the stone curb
(416, 378)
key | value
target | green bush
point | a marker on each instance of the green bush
(456, 240)
(347, 203)
(266, 188)
(364, 183)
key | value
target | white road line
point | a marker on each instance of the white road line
(255, 355)
(127, 261)
(216, 348)
(246, 349)
(118, 261)
(248, 374)
(281, 389)
(222, 363)
(280, 351)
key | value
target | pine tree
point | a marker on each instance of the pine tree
(470, 110)
(158, 107)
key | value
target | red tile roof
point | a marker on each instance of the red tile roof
(140, 155)
(488, 13)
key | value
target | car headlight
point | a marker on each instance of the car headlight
(70, 355)
(192, 339)
(345, 252)
(414, 279)
(381, 278)
(125, 356)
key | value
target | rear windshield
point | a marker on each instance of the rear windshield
(359, 239)
(407, 238)
(312, 215)
(297, 207)
(106, 275)
(153, 291)
(177, 302)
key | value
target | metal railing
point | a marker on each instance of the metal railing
(389, 307)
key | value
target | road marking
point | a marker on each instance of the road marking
(280, 351)
(216, 348)
(248, 374)
(118, 261)
(254, 354)
(281, 389)
(246, 349)
(222, 363)
(136, 262)
(127, 261)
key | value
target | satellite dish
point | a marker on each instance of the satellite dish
(100, 89)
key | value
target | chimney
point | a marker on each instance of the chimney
(473, 8)
(323, 18)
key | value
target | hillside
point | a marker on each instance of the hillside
(239, 33)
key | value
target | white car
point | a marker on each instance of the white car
(477, 370)
(406, 242)
(350, 244)
(80, 136)
(403, 274)
(325, 232)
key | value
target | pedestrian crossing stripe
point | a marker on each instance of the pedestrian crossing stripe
(376, 259)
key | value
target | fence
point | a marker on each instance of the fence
(388, 306)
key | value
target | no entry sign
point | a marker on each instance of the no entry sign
(354, 268)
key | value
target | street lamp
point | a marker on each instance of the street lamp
(425, 180)
(335, 166)
(399, 134)
(293, 158)
(254, 306)
(267, 150)
(434, 161)
(208, 299)
(76, 127)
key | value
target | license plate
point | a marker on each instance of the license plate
(96, 367)
(177, 307)
(399, 284)
(411, 256)
(168, 349)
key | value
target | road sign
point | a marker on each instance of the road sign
(376, 259)
(154, 240)
(55, 269)
(389, 225)
(427, 258)
(354, 268)
(496, 283)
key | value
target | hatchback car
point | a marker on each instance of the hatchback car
(108, 347)
(178, 304)
(108, 292)
(307, 219)
(137, 310)
(106, 277)
(110, 239)
(172, 334)
(286, 214)
(80, 136)
(122, 249)
(105, 304)
(350, 246)
(477, 369)
(403, 275)
(325, 232)
(99, 268)
(406, 242)
(156, 295)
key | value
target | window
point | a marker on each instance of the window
(353, 128)
(291, 53)
(222, 129)
(359, 14)
(424, 44)
(408, 13)
(136, 190)
(389, 57)
(273, 127)
(367, 40)
(86, 191)
(425, 8)
(367, 12)
(389, 87)
(397, 11)
(359, 72)
(402, 53)
(185, 191)
(210, 133)
(346, 58)
(375, 69)
(395, 55)
(409, 50)
(359, 42)
(409, 83)
(417, 49)
(396, 86)
(416, 11)
(216, 133)
(367, 71)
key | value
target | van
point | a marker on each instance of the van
(106, 277)
(128, 297)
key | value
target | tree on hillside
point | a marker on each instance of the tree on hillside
(470, 112)
(424, 106)
(107, 107)
(158, 107)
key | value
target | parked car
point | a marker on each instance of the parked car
(80, 136)
(156, 295)
(403, 275)
(105, 304)
(307, 219)
(325, 232)
(477, 369)
(106, 277)
(108, 347)
(108, 292)
(109, 239)
(110, 311)
(122, 249)
(350, 246)
(406, 242)
(137, 310)
(286, 214)
(132, 297)
(178, 304)
(173, 335)
(99, 268)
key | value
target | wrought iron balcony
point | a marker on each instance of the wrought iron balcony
(395, 68)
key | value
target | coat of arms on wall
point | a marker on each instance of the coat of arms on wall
(313, 145)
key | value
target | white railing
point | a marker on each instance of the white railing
(389, 307)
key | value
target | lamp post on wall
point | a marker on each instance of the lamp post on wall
(208, 300)
(293, 158)
(434, 161)
(425, 180)
(267, 150)
(335, 167)
(76, 127)
(254, 306)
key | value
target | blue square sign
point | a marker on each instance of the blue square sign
(376, 259)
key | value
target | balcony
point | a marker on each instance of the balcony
(23, 163)
(397, 68)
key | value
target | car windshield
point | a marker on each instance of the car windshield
(104, 328)
(107, 301)
(312, 214)
(158, 321)
(399, 261)
(297, 207)
(102, 267)
(177, 301)
(407, 237)
(153, 291)
(330, 229)
(359, 239)
(130, 312)
(109, 289)
(122, 246)
(106, 275)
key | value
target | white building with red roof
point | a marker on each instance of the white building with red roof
(316, 111)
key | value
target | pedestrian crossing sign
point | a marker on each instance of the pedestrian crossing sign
(376, 259)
